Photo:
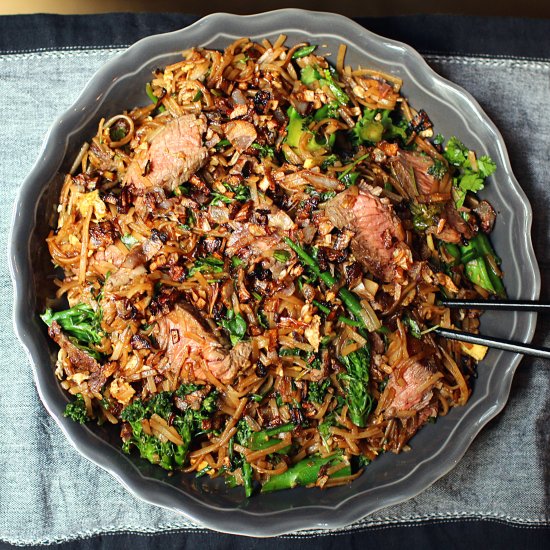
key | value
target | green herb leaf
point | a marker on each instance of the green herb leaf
(240, 192)
(437, 169)
(265, 150)
(222, 143)
(235, 325)
(486, 166)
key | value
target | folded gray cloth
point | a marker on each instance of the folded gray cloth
(48, 492)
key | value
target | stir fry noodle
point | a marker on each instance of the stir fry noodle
(253, 262)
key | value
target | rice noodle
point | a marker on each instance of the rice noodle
(238, 289)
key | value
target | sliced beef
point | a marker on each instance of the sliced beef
(486, 214)
(456, 221)
(377, 229)
(248, 244)
(188, 343)
(102, 234)
(408, 383)
(174, 154)
(145, 252)
(411, 171)
(79, 359)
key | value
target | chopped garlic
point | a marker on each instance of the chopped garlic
(312, 332)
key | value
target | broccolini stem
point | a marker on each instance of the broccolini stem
(349, 299)
(326, 310)
(303, 473)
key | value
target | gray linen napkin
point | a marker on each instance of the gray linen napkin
(49, 493)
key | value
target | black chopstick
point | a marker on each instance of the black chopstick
(493, 342)
(502, 305)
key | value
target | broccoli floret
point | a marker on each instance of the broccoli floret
(161, 404)
(188, 425)
(355, 383)
(135, 411)
(76, 410)
(317, 390)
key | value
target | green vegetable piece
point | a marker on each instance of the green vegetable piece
(247, 478)
(480, 247)
(281, 255)
(161, 404)
(350, 322)
(476, 271)
(355, 382)
(76, 410)
(309, 74)
(153, 97)
(414, 327)
(79, 321)
(258, 440)
(236, 261)
(150, 94)
(117, 133)
(349, 299)
(129, 241)
(166, 454)
(326, 310)
(304, 473)
(329, 110)
(265, 150)
(235, 325)
(377, 124)
(341, 97)
(303, 52)
(453, 250)
(349, 179)
(219, 198)
(294, 128)
(222, 143)
(209, 264)
(372, 131)
(316, 391)
(198, 96)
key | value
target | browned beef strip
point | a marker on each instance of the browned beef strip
(411, 171)
(407, 382)
(79, 359)
(191, 347)
(377, 229)
(174, 154)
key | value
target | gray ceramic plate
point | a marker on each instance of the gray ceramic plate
(390, 479)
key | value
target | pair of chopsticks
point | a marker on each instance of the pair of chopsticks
(490, 341)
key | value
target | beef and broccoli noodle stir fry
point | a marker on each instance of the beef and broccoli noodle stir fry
(253, 262)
